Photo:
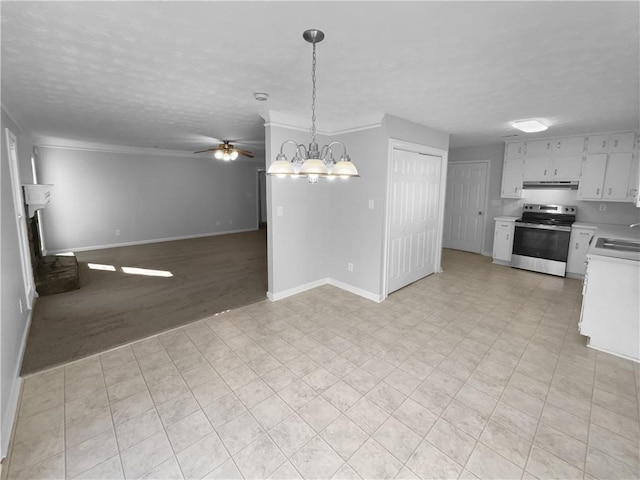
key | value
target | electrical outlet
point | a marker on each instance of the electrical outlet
(350, 267)
(117, 231)
(602, 207)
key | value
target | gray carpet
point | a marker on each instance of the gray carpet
(210, 275)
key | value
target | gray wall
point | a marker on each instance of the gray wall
(297, 240)
(494, 154)
(13, 322)
(147, 196)
(329, 224)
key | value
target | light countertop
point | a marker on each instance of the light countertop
(621, 232)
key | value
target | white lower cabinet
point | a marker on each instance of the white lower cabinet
(578, 245)
(610, 306)
(503, 240)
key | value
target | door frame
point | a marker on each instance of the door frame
(21, 219)
(259, 171)
(396, 144)
(486, 197)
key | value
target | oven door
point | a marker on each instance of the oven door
(549, 242)
(541, 248)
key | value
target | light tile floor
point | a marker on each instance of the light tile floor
(478, 372)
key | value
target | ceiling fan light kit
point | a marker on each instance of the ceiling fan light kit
(313, 162)
(227, 152)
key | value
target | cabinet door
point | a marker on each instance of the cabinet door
(512, 178)
(598, 144)
(536, 168)
(514, 150)
(578, 246)
(566, 167)
(592, 177)
(539, 148)
(503, 241)
(568, 146)
(622, 142)
(616, 180)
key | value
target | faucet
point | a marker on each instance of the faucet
(634, 225)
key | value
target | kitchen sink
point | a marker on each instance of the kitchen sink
(617, 244)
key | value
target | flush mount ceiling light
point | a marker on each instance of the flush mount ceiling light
(530, 126)
(313, 162)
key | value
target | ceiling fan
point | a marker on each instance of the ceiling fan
(227, 152)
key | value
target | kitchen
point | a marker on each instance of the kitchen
(571, 210)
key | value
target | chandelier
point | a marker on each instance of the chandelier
(313, 162)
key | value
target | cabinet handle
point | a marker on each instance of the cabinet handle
(507, 236)
(597, 191)
(545, 172)
(604, 143)
(548, 145)
(609, 191)
(576, 245)
(558, 145)
(555, 172)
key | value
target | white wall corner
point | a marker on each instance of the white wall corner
(378, 298)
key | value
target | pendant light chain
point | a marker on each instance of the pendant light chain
(313, 162)
(313, 95)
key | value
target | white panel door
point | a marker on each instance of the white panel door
(464, 209)
(414, 199)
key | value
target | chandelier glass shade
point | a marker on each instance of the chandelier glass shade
(313, 162)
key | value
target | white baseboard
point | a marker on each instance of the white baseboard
(357, 291)
(145, 242)
(8, 421)
(274, 297)
(487, 254)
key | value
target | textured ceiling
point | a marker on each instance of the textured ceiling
(181, 75)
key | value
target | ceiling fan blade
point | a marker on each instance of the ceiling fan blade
(212, 149)
(244, 152)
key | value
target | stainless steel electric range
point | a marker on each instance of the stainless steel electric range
(541, 239)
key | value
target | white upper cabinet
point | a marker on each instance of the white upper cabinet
(539, 148)
(567, 146)
(537, 168)
(606, 166)
(514, 150)
(512, 178)
(592, 179)
(616, 179)
(621, 142)
(611, 143)
(598, 144)
(566, 167)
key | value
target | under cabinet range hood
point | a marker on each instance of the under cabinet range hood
(552, 184)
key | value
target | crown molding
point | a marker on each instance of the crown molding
(293, 122)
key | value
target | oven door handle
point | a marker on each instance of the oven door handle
(543, 227)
